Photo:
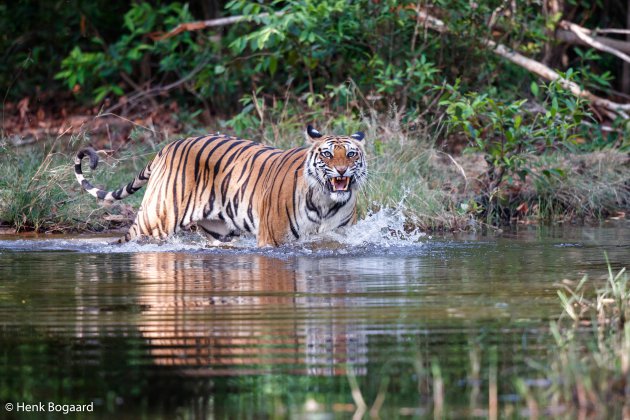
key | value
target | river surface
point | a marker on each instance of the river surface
(309, 330)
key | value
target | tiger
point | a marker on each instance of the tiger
(225, 186)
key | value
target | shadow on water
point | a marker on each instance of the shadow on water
(180, 329)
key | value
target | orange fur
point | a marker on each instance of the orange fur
(227, 186)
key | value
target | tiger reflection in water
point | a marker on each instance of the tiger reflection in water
(211, 313)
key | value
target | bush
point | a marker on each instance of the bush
(507, 134)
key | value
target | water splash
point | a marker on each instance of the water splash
(385, 227)
(378, 231)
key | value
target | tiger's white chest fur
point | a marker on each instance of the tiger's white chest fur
(319, 213)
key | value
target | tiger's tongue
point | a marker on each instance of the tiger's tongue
(340, 184)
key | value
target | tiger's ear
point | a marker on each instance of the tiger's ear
(359, 135)
(311, 133)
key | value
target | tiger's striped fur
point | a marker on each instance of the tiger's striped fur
(228, 186)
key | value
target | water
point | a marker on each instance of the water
(180, 329)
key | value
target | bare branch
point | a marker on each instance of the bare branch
(583, 35)
(431, 22)
(203, 24)
(612, 31)
(569, 37)
(157, 90)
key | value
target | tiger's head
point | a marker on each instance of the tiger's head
(336, 164)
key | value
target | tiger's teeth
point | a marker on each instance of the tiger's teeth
(340, 183)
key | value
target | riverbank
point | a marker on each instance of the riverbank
(437, 190)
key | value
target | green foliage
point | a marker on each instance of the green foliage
(102, 73)
(322, 44)
(307, 49)
(508, 133)
(38, 34)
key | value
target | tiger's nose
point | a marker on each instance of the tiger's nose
(341, 169)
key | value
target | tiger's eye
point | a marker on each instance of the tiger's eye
(326, 154)
(351, 154)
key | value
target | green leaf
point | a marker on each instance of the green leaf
(517, 121)
(534, 88)
(101, 93)
(117, 90)
(554, 107)
(471, 130)
(273, 64)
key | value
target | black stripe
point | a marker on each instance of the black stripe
(198, 160)
(294, 198)
(260, 172)
(311, 206)
(293, 230)
(207, 210)
(217, 164)
(206, 179)
(334, 209)
(224, 187)
(250, 214)
(186, 154)
(235, 199)
(130, 189)
(228, 211)
(173, 155)
(183, 183)
(210, 153)
(345, 222)
(238, 153)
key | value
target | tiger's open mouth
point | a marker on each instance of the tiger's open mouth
(339, 183)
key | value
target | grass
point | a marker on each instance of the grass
(588, 185)
(590, 367)
(38, 190)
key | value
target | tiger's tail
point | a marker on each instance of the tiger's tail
(139, 181)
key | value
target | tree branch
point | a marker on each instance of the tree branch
(583, 35)
(203, 24)
(158, 89)
(612, 31)
(609, 108)
(569, 37)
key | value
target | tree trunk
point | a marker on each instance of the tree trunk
(553, 53)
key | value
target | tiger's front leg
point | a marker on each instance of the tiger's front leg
(265, 237)
(272, 232)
